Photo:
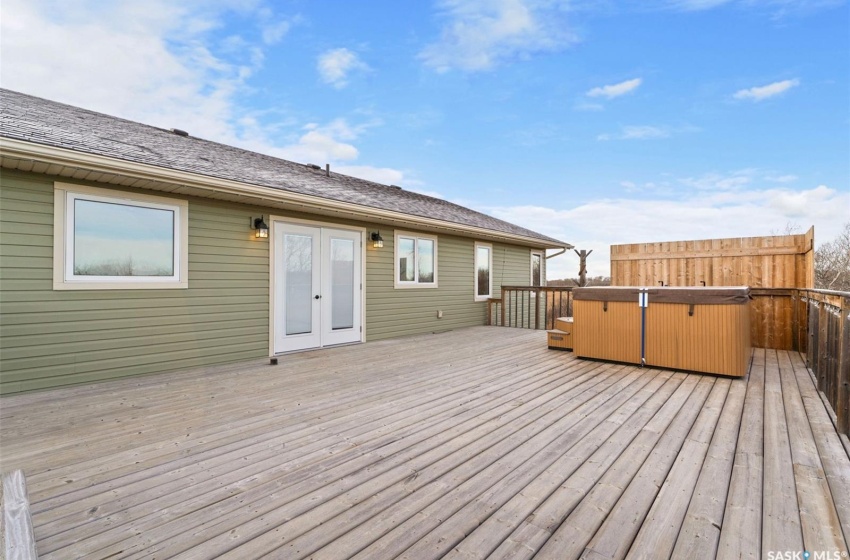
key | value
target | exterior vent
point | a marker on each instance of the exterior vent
(395, 187)
(179, 132)
(313, 166)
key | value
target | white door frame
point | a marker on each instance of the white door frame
(272, 252)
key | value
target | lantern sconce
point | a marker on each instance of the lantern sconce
(377, 240)
(262, 230)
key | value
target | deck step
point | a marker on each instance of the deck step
(559, 340)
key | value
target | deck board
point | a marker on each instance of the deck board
(470, 444)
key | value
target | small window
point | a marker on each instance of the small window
(483, 271)
(536, 269)
(105, 239)
(415, 261)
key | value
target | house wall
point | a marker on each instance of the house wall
(50, 338)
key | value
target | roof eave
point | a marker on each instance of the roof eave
(51, 155)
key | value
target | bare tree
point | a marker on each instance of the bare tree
(832, 263)
(576, 282)
(791, 228)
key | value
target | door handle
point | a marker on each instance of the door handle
(317, 297)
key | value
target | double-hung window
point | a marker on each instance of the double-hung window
(107, 239)
(415, 260)
(483, 271)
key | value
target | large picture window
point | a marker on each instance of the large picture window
(106, 239)
(483, 271)
(415, 261)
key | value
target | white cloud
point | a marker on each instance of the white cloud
(697, 5)
(273, 32)
(615, 90)
(383, 175)
(761, 93)
(320, 145)
(157, 63)
(598, 224)
(434, 194)
(336, 64)
(583, 106)
(480, 34)
(782, 178)
(148, 62)
(721, 181)
(273, 28)
(779, 8)
(637, 133)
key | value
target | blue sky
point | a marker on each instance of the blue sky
(596, 122)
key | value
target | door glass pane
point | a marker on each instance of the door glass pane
(122, 240)
(482, 257)
(406, 264)
(426, 261)
(535, 270)
(298, 303)
(342, 283)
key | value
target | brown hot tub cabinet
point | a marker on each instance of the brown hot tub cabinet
(692, 329)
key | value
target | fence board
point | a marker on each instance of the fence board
(777, 263)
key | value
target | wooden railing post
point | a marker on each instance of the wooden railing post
(489, 312)
(812, 332)
(823, 348)
(537, 309)
(842, 408)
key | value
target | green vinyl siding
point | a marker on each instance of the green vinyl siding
(400, 311)
(51, 338)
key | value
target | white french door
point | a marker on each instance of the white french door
(317, 286)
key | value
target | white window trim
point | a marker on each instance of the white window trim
(415, 283)
(63, 192)
(475, 271)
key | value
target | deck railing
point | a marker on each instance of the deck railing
(530, 307)
(822, 333)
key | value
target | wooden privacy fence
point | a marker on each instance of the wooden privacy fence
(530, 307)
(822, 332)
(773, 267)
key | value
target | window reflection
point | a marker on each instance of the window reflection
(122, 240)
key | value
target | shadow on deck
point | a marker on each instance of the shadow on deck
(468, 444)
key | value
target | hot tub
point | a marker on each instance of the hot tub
(691, 329)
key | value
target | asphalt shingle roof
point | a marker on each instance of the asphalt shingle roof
(37, 120)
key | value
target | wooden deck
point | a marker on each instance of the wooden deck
(468, 444)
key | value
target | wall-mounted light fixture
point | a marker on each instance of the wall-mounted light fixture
(261, 227)
(377, 240)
